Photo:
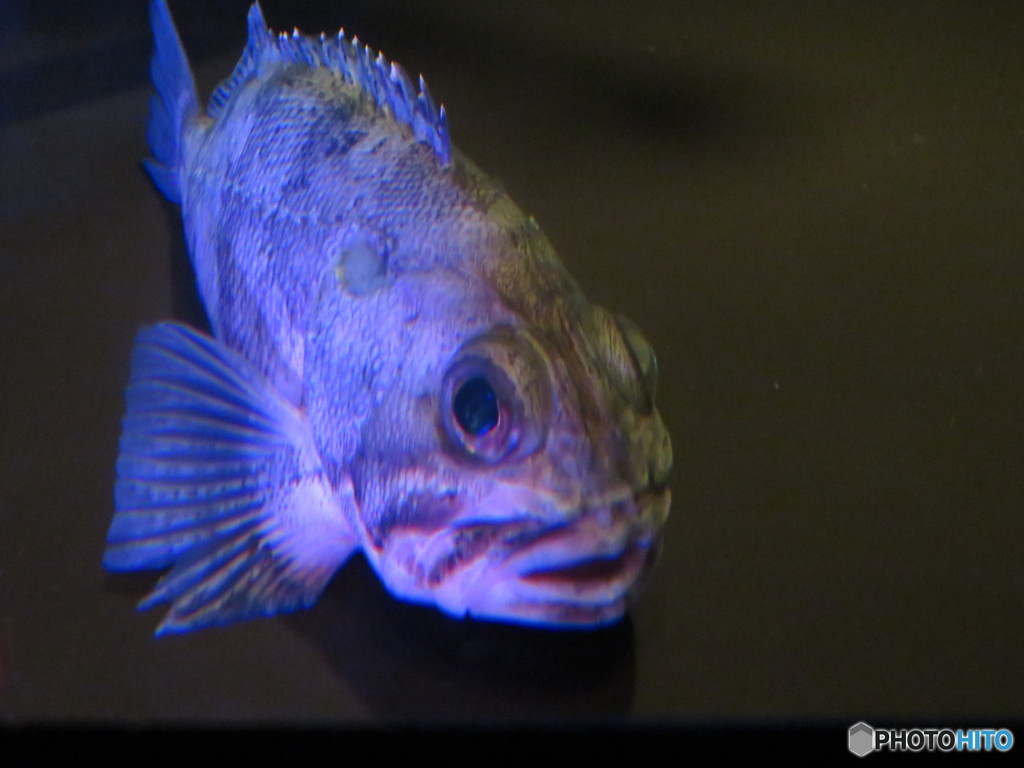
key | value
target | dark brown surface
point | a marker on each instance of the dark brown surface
(814, 210)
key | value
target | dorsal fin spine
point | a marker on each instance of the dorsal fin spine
(256, 51)
(384, 81)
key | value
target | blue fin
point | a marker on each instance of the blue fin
(384, 81)
(218, 475)
(173, 103)
(248, 66)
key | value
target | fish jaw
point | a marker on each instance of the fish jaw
(581, 569)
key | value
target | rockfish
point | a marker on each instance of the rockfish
(400, 364)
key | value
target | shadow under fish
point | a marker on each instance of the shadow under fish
(410, 664)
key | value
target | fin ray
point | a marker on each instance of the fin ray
(218, 477)
(200, 577)
(165, 544)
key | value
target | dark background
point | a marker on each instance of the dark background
(813, 209)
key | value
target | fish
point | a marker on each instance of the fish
(399, 365)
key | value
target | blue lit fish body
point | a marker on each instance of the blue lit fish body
(400, 365)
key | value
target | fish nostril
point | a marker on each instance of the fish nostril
(658, 471)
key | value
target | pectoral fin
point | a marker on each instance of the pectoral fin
(218, 476)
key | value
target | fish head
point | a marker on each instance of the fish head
(509, 463)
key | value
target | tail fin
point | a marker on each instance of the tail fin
(172, 105)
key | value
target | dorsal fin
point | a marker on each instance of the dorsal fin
(385, 81)
(260, 38)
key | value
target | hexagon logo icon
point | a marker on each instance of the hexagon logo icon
(861, 739)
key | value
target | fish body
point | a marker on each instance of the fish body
(400, 365)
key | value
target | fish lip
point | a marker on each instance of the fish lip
(583, 591)
(592, 579)
(596, 557)
(595, 574)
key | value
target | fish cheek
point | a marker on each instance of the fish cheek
(404, 501)
(424, 515)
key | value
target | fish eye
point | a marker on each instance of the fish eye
(475, 406)
(642, 352)
(495, 398)
(481, 412)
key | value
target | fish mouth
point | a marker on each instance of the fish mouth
(598, 569)
(595, 578)
(590, 591)
(582, 571)
(580, 567)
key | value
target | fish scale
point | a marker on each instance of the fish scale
(400, 365)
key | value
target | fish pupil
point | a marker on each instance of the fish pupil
(476, 406)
